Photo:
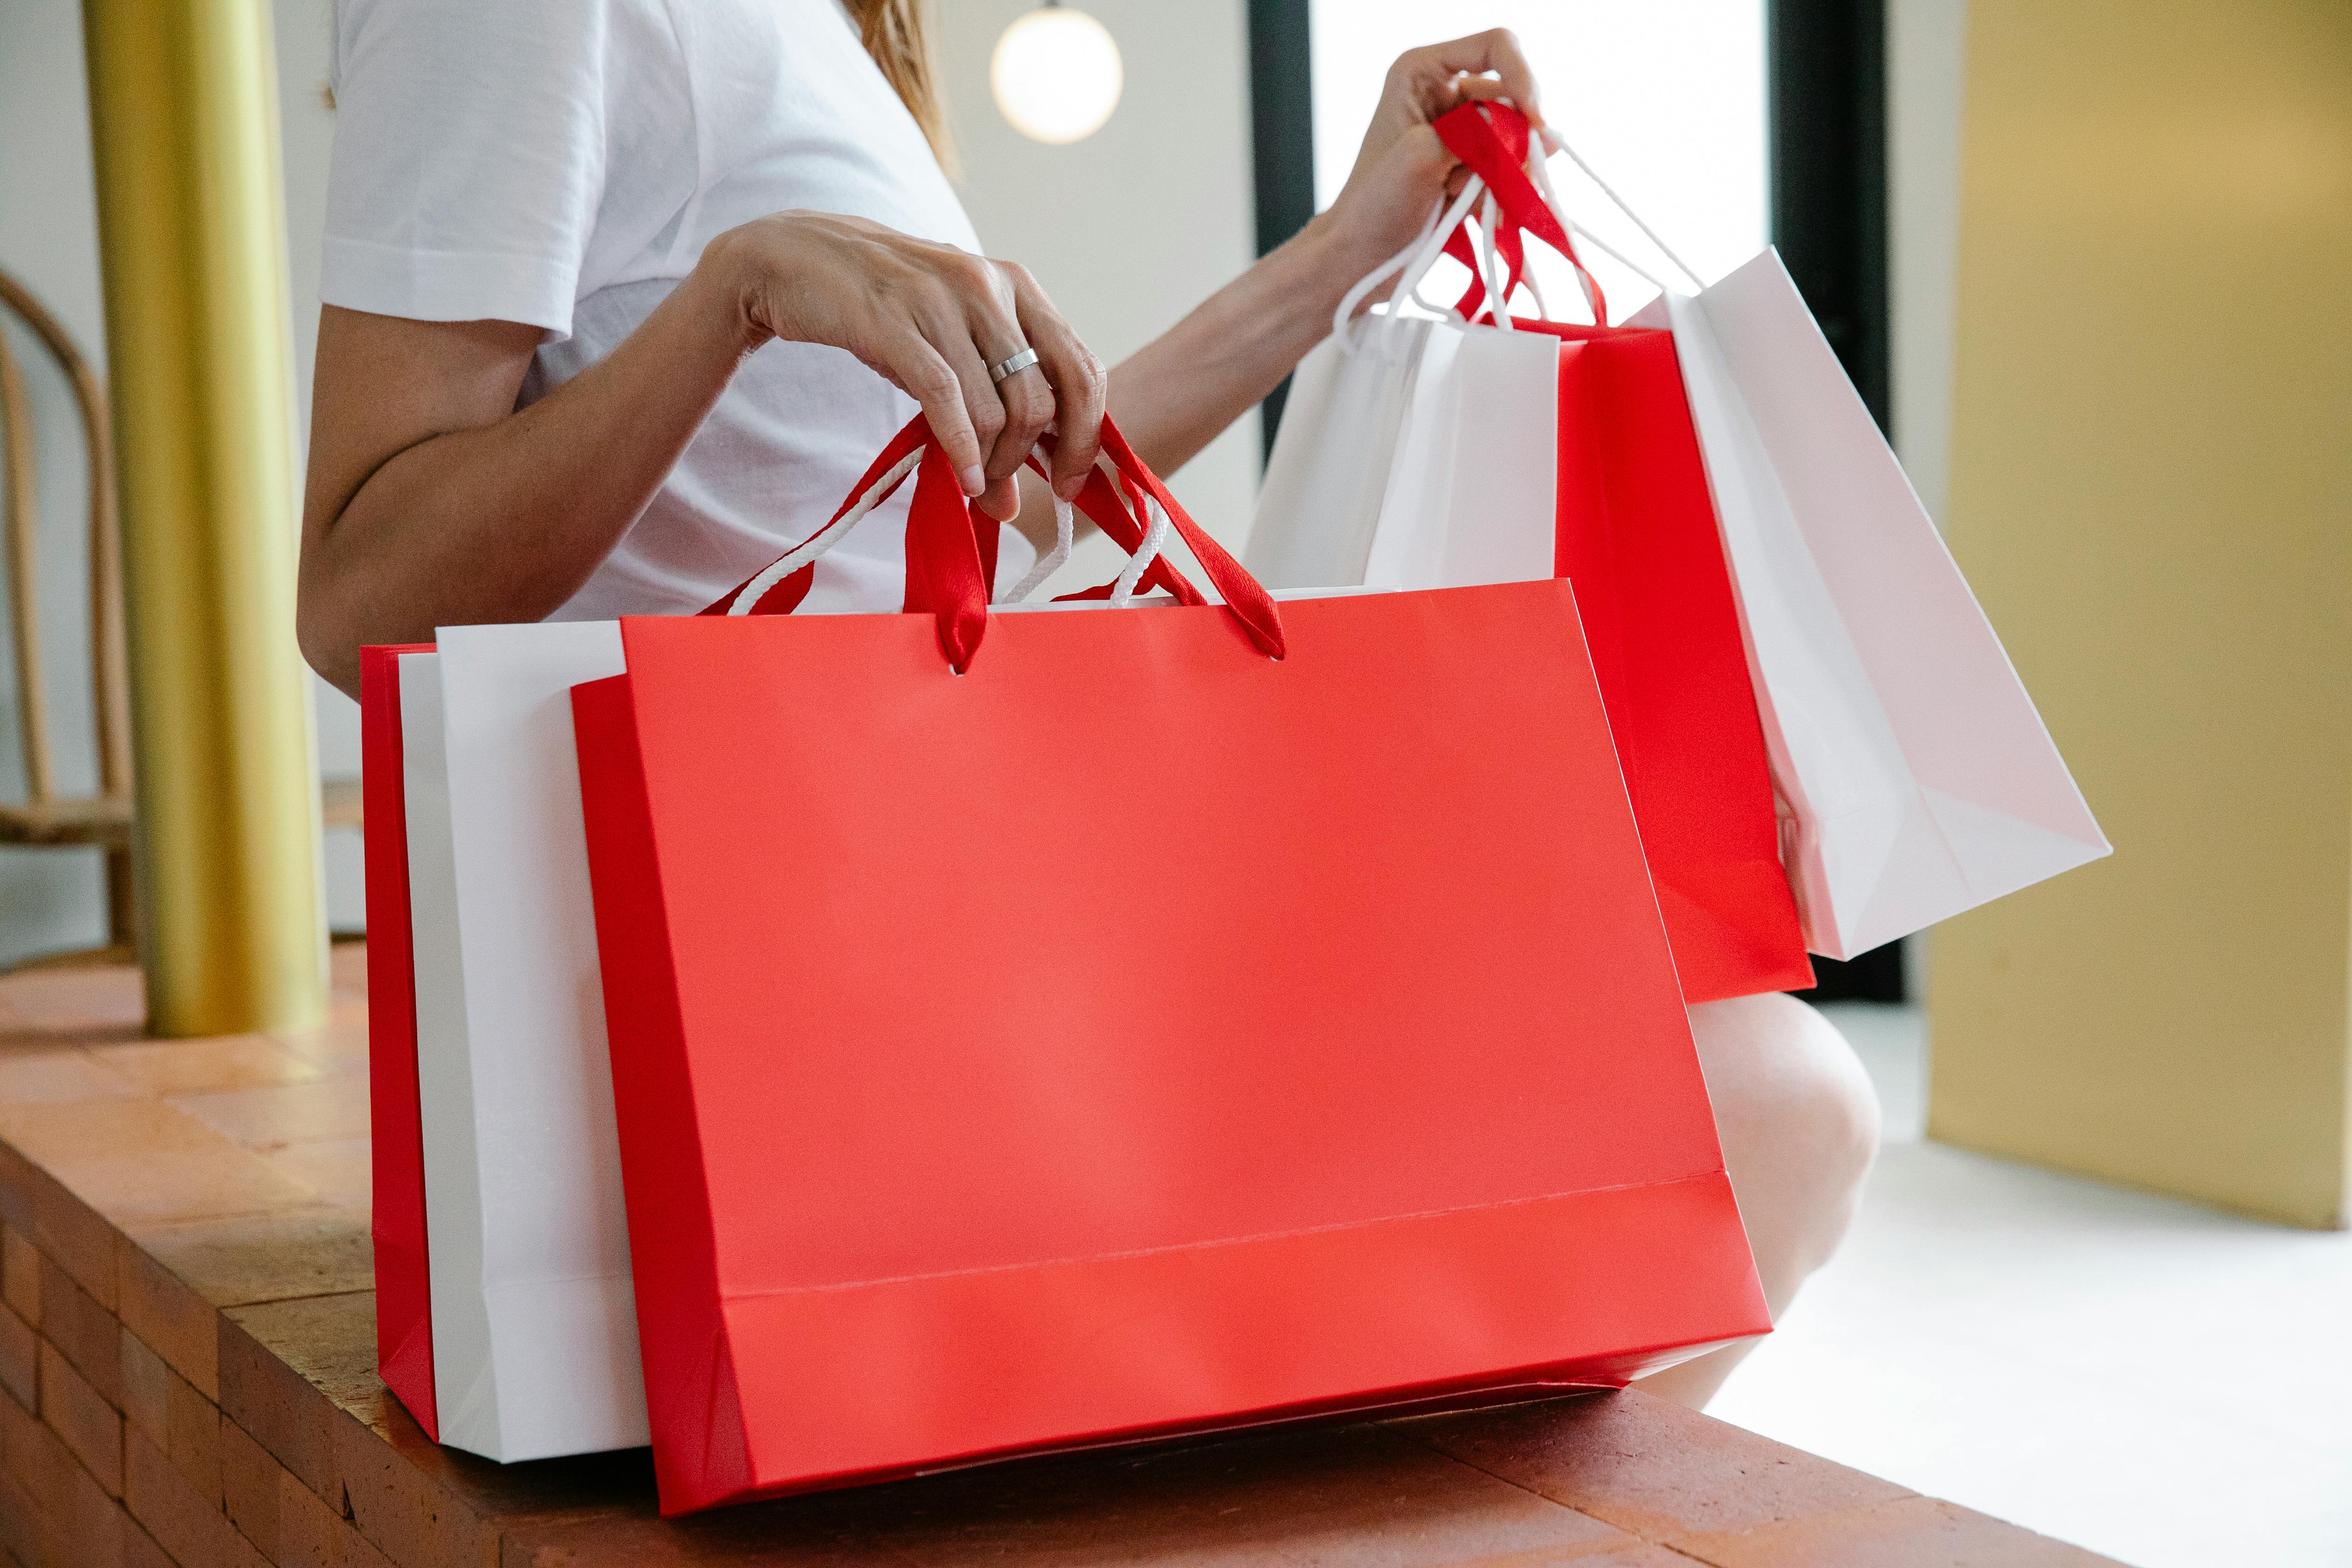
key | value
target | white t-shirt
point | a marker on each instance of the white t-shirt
(563, 163)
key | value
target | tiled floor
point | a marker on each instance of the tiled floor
(2157, 1382)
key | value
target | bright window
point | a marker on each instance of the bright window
(1664, 98)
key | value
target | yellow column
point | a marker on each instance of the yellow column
(184, 123)
(2151, 491)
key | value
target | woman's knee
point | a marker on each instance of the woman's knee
(1798, 1117)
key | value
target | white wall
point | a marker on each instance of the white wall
(1927, 46)
(1130, 228)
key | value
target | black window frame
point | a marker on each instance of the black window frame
(1826, 93)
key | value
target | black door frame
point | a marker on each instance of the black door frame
(1282, 145)
(1827, 92)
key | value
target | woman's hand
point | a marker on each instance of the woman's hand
(1403, 171)
(932, 319)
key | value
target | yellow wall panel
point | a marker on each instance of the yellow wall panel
(2151, 491)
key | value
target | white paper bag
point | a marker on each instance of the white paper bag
(1915, 778)
(534, 1321)
(1328, 473)
(1414, 453)
(1472, 495)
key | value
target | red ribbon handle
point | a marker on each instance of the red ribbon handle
(1492, 140)
(950, 558)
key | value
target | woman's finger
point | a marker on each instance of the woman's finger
(1027, 394)
(1024, 400)
(1080, 385)
(1498, 51)
(924, 374)
(948, 333)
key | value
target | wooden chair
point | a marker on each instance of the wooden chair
(45, 818)
(102, 819)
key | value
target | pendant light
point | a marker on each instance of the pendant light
(1057, 74)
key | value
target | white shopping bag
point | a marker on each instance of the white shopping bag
(1398, 425)
(1328, 472)
(1472, 495)
(1915, 778)
(535, 1320)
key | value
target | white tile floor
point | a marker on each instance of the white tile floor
(2159, 1383)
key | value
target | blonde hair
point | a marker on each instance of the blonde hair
(895, 33)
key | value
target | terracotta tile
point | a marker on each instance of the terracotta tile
(191, 1529)
(361, 1553)
(213, 1062)
(171, 1319)
(20, 1523)
(397, 1507)
(1336, 1496)
(56, 1137)
(20, 1274)
(266, 1352)
(140, 1550)
(88, 1424)
(213, 1182)
(36, 1457)
(16, 1178)
(310, 1534)
(347, 967)
(72, 1005)
(193, 1433)
(1358, 1495)
(1916, 1532)
(340, 1171)
(74, 1236)
(1650, 1467)
(313, 1250)
(393, 1474)
(306, 1112)
(87, 1333)
(94, 1525)
(249, 1488)
(20, 1358)
(146, 1391)
(140, 1161)
(340, 1040)
(46, 1077)
(79, 1526)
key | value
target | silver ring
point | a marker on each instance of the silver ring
(1013, 366)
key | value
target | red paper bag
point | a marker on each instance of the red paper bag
(1639, 538)
(404, 1291)
(1032, 1031)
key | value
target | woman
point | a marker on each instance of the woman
(600, 276)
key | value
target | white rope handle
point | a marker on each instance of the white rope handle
(1543, 182)
(825, 538)
(1413, 262)
(1066, 528)
(1122, 595)
(1155, 538)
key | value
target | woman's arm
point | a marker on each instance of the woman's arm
(431, 501)
(1174, 395)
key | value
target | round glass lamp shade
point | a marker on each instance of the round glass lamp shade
(1057, 75)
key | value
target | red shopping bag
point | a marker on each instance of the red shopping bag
(404, 1291)
(1639, 538)
(1031, 1031)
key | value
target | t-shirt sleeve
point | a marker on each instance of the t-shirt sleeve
(471, 148)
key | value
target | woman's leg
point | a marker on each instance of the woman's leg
(1799, 1121)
